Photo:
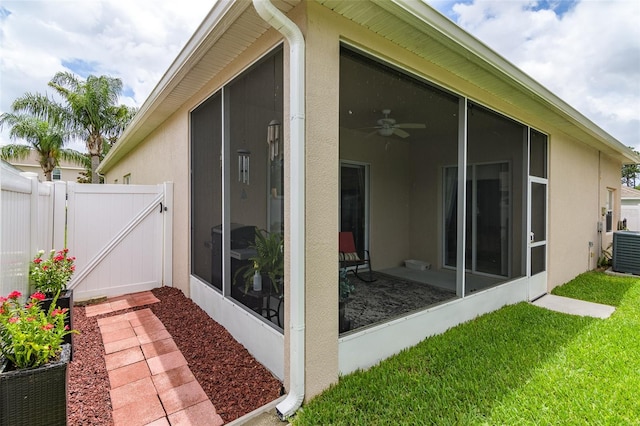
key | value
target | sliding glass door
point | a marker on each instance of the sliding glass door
(488, 197)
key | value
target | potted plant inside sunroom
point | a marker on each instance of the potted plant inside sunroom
(261, 279)
(50, 275)
(33, 361)
(266, 267)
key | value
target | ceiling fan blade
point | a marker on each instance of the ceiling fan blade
(400, 132)
(411, 126)
(375, 132)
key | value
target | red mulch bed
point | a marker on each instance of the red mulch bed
(234, 381)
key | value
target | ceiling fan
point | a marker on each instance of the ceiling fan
(387, 126)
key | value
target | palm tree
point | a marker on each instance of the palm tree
(95, 115)
(91, 112)
(43, 137)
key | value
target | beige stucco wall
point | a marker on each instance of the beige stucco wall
(573, 206)
(322, 171)
(579, 179)
(610, 175)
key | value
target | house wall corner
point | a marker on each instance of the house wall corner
(322, 171)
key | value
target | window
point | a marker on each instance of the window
(609, 211)
(126, 179)
(56, 174)
(489, 218)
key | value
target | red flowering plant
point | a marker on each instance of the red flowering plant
(51, 275)
(29, 336)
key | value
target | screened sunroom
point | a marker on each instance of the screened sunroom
(401, 139)
(403, 142)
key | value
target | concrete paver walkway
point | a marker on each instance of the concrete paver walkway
(574, 306)
(151, 383)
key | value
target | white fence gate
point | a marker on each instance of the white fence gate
(119, 234)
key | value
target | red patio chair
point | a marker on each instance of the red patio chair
(349, 257)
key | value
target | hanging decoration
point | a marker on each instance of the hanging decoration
(243, 166)
(273, 140)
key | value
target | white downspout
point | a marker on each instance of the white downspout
(292, 33)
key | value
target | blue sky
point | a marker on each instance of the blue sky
(559, 7)
(585, 51)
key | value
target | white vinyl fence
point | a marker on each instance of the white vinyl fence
(632, 214)
(28, 223)
(119, 234)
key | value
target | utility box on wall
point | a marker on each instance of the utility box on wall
(626, 252)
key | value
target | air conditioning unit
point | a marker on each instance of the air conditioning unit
(626, 252)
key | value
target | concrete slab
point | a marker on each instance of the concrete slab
(574, 306)
(262, 416)
(264, 419)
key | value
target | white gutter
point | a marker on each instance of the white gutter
(292, 33)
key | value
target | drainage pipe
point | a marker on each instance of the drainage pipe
(292, 33)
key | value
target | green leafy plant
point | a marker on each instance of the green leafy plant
(29, 336)
(269, 259)
(604, 261)
(51, 275)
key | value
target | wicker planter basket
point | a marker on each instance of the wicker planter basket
(35, 396)
(64, 301)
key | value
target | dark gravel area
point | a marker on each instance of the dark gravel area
(234, 381)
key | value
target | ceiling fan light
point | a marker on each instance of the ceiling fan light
(385, 131)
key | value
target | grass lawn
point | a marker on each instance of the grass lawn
(521, 365)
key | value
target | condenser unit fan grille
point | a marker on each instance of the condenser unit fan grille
(626, 252)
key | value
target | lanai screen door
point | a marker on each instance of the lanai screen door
(537, 200)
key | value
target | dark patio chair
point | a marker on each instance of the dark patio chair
(349, 257)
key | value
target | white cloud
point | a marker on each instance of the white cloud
(135, 41)
(587, 52)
